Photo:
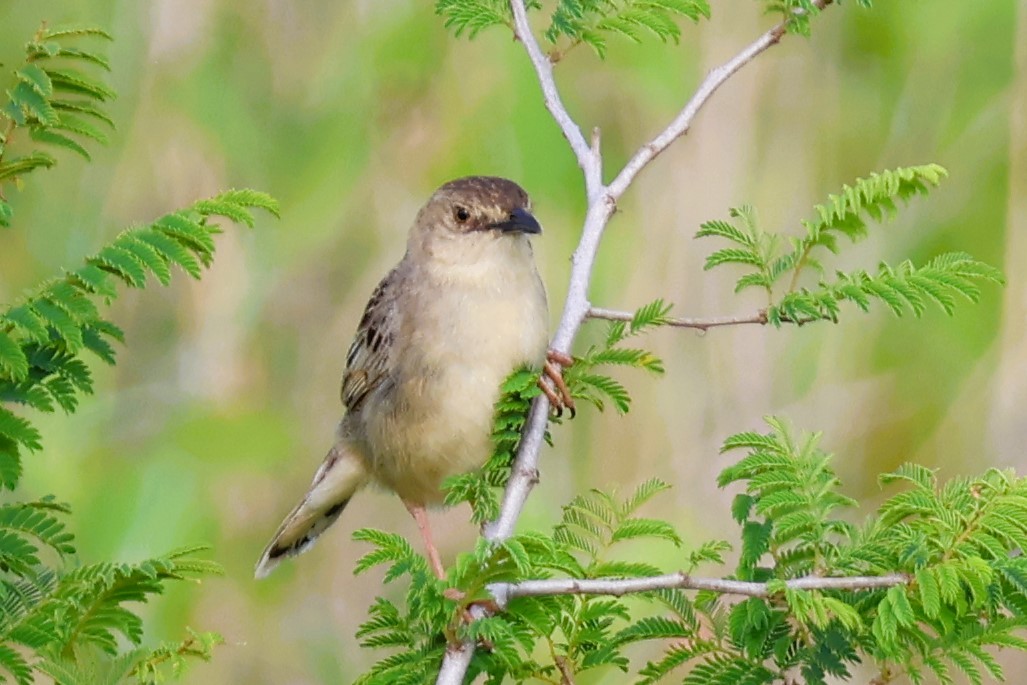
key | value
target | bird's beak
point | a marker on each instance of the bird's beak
(519, 221)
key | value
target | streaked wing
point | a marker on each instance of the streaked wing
(368, 363)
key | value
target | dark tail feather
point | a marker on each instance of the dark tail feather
(341, 474)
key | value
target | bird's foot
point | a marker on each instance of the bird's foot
(553, 385)
(471, 611)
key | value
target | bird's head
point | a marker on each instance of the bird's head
(475, 210)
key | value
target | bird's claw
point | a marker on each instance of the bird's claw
(553, 385)
(481, 607)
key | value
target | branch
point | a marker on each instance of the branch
(454, 665)
(683, 121)
(588, 156)
(759, 317)
(602, 200)
(504, 592)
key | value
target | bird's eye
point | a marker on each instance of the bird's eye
(462, 214)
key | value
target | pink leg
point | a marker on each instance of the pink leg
(421, 518)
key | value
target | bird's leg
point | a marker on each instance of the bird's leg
(559, 395)
(421, 519)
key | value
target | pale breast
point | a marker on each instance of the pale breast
(459, 340)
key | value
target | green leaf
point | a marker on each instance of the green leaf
(171, 249)
(26, 98)
(147, 255)
(52, 49)
(23, 165)
(74, 31)
(50, 137)
(645, 528)
(472, 16)
(643, 493)
(60, 322)
(36, 78)
(122, 263)
(19, 430)
(73, 81)
(10, 462)
(14, 663)
(13, 362)
(82, 107)
(27, 322)
(188, 232)
(73, 124)
(233, 204)
(95, 280)
(730, 255)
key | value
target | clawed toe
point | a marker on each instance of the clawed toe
(553, 385)
(485, 607)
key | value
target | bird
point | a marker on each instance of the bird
(463, 308)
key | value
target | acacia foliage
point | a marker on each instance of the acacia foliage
(775, 262)
(57, 100)
(593, 22)
(77, 623)
(955, 544)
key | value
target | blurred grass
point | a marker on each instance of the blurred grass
(350, 114)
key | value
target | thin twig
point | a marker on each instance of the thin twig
(504, 592)
(588, 158)
(759, 317)
(683, 121)
(602, 201)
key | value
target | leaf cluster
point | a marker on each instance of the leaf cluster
(957, 544)
(535, 639)
(774, 262)
(589, 22)
(57, 100)
(580, 22)
(960, 542)
(797, 14)
(71, 625)
(63, 621)
(44, 336)
(600, 388)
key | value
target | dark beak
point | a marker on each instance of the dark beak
(519, 221)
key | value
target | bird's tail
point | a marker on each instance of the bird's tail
(341, 474)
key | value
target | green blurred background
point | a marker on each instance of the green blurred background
(351, 113)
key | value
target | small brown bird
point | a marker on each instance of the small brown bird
(462, 309)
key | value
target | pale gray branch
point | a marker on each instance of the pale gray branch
(759, 317)
(455, 663)
(504, 592)
(683, 121)
(588, 156)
